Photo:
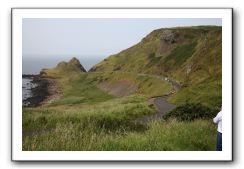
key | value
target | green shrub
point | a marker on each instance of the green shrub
(191, 111)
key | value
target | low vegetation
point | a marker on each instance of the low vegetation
(190, 112)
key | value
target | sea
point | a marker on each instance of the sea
(27, 86)
(33, 64)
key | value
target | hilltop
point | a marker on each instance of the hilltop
(63, 68)
(190, 55)
(170, 51)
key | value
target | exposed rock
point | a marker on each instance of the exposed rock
(39, 92)
(169, 36)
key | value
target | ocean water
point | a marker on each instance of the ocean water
(27, 85)
(33, 64)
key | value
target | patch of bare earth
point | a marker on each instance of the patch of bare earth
(54, 92)
(120, 88)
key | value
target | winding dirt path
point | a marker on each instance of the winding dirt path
(162, 106)
(160, 102)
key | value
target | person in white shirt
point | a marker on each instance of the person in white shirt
(218, 120)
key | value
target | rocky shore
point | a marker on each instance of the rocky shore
(39, 93)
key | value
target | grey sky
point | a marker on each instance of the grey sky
(93, 37)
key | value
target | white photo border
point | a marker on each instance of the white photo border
(16, 53)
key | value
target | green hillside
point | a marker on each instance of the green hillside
(116, 106)
(190, 55)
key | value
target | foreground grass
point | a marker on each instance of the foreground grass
(113, 114)
(110, 125)
(160, 136)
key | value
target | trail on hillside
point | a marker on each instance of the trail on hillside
(162, 106)
(160, 102)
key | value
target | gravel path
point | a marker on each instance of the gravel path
(162, 106)
(160, 102)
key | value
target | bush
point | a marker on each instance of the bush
(190, 112)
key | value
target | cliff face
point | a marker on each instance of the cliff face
(72, 66)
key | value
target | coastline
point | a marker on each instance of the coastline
(45, 92)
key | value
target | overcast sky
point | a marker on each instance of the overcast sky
(92, 37)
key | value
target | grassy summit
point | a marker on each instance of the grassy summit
(63, 68)
(190, 55)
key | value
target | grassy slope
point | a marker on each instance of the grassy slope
(86, 118)
(147, 85)
(194, 60)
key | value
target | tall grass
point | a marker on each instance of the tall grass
(111, 125)
(115, 115)
(160, 136)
